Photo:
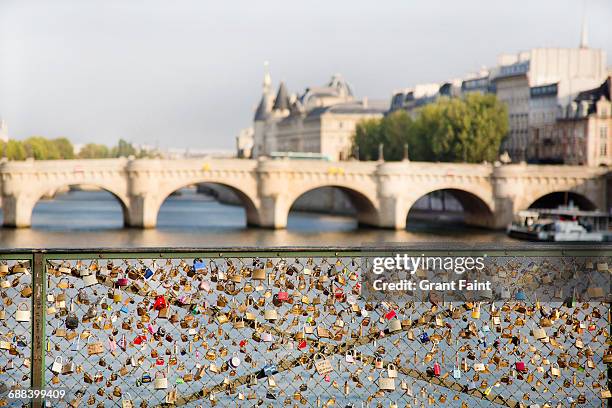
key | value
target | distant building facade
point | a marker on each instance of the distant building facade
(581, 133)
(536, 83)
(244, 143)
(411, 99)
(322, 120)
(4, 137)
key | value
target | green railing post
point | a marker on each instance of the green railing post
(38, 325)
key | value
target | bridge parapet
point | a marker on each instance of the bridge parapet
(382, 193)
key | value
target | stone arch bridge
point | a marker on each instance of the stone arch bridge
(381, 192)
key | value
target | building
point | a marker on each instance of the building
(581, 134)
(244, 143)
(322, 120)
(3, 131)
(536, 84)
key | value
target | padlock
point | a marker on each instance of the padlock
(520, 295)
(63, 283)
(349, 356)
(90, 280)
(378, 363)
(75, 344)
(436, 369)
(199, 265)
(161, 381)
(270, 314)
(395, 325)
(456, 373)
(269, 369)
(26, 291)
(56, 367)
(234, 362)
(322, 365)
(72, 321)
(391, 371)
(476, 311)
(23, 313)
(386, 383)
(69, 367)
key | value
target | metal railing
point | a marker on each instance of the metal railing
(288, 327)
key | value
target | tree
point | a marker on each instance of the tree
(468, 129)
(123, 149)
(94, 151)
(367, 137)
(41, 149)
(64, 147)
(13, 150)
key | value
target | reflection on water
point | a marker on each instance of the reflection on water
(94, 219)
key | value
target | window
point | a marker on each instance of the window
(603, 141)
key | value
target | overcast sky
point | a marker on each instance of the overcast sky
(188, 73)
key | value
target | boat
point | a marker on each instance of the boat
(562, 224)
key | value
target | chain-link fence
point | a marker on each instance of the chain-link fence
(15, 324)
(294, 329)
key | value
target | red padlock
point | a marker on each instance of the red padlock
(121, 282)
(390, 314)
(339, 293)
(283, 296)
(437, 370)
(520, 366)
(302, 345)
(160, 303)
(140, 339)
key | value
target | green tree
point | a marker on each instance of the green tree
(13, 150)
(367, 137)
(41, 149)
(64, 147)
(94, 151)
(466, 129)
(123, 149)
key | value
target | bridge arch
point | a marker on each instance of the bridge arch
(248, 200)
(556, 198)
(476, 208)
(364, 205)
(18, 209)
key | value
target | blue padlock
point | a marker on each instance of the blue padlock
(148, 273)
(520, 295)
(198, 265)
(269, 369)
(424, 338)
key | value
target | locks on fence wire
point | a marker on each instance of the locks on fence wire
(299, 331)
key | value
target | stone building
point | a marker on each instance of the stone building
(244, 143)
(4, 137)
(527, 83)
(581, 133)
(320, 121)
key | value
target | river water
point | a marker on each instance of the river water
(81, 219)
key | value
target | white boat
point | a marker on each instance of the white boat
(563, 224)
